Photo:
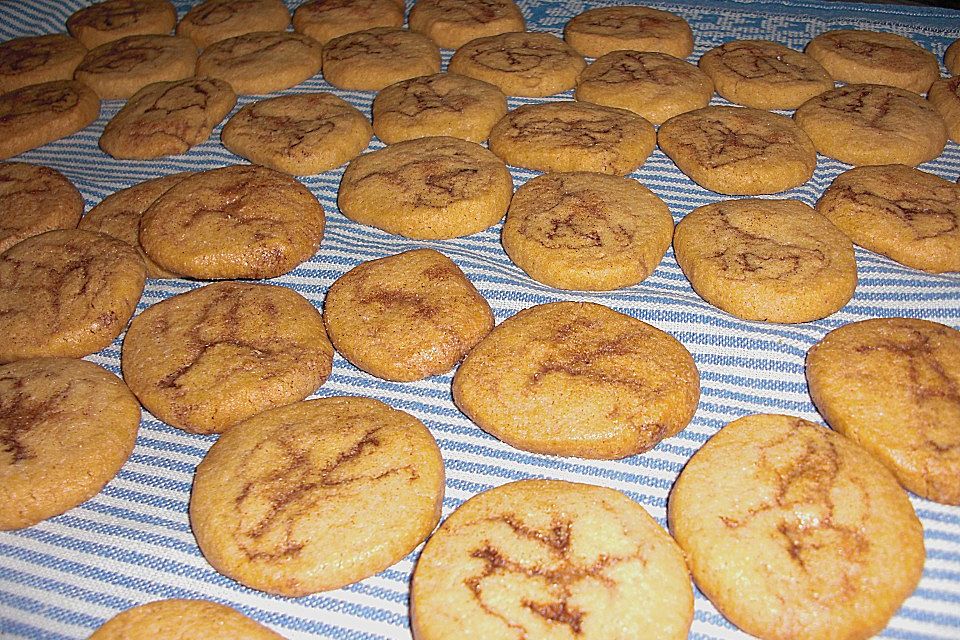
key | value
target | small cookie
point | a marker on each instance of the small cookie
(764, 74)
(376, 58)
(120, 68)
(551, 559)
(527, 64)
(906, 214)
(67, 292)
(324, 20)
(215, 20)
(240, 221)
(873, 124)
(793, 531)
(951, 58)
(263, 61)
(453, 23)
(40, 113)
(599, 31)
(35, 59)
(406, 317)
(427, 188)
(442, 104)
(654, 85)
(944, 95)
(586, 231)
(573, 136)
(301, 134)
(105, 22)
(167, 118)
(578, 379)
(316, 495)
(33, 200)
(204, 360)
(767, 260)
(739, 150)
(182, 620)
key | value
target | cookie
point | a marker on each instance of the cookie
(870, 57)
(239, 221)
(376, 58)
(739, 150)
(324, 20)
(182, 620)
(767, 260)
(406, 317)
(586, 231)
(908, 215)
(453, 23)
(300, 134)
(573, 136)
(215, 20)
(105, 22)
(316, 495)
(599, 31)
(793, 531)
(442, 104)
(66, 428)
(764, 74)
(40, 113)
(207, 359)
(428, 188)
(120, 68)
(35, 199)
(873, 124)
(35, 59)
(944, 95)
(67, 292)
(951, 58)
(578, 379)
(654, 85)
(167, 118)
(531, 64)
(550, 559)
(262, 62)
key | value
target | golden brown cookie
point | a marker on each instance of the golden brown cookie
(120, 68)
(376, 58)
(182, 620)
(551, 559)
(407, 316)
(768, 260)
(35, 59)
(453, 23)
(105, 22)
(263, 61)
(793, 531)
(204, 360)
(40, 113)
(67, 292)
(573, 136)
(944, 95)
(738, 150)
(586, 231)
(599, 31)
(316, 495)
(578, 379)
(300, 134)
(908, 215)
(239, 221)
(324, 20)
(35, 199)
(215, 20)
(427, 188)
(951, 58)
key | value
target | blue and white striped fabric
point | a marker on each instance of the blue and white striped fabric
(132, 544)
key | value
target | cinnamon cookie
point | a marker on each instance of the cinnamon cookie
(951, 58)
(324, 20)
(452, 23)
(316, 495)
(262, 62)
(376, 58)
(573, 136)
(35, 59)
(40, 113)
(428, 188)
(204, 360)
(407, 316)
(182, 620)
(944, 95)
(586, 231)
(120, 68)
(597, 32)
(551, 559)
(768, 260)
(215, 20)
(793, 531)
(105, 22)
(35, 199)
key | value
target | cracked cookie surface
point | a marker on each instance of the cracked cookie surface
(262, 61)
(35, 199)
(376, 58)
(32, 116)
(944, 95)
(215, 20)
(951, 58)
(178, 619)
(118, 69)
(599, 31)
(35, 59)
(104, 22)
(324, 20)
(453, 23)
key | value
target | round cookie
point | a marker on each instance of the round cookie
(427, 188)
(908, 215)
(527, 64)
(300, 134)
(120, 68)
(586, 231)
(182, 620)
(167, 118)
(105, 22)
(453, 23)
(738, 150)
(944, 95)
(204, 360)
(551, 559)
(40, 113)
(263, 61)
(324, 20)
(376, 58)
(442, 104)
(767, 260)
(951, 58)
(239, 221)
(573, 136)
(66, 428)
(316, 495)
(873, 124)
(406, 317)
(67, 292)
(33, 200)
(654, 85)
(35, 59)
(764, 74)
(578, 379)
(793, 531)
(215, 20)
(599, 31)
